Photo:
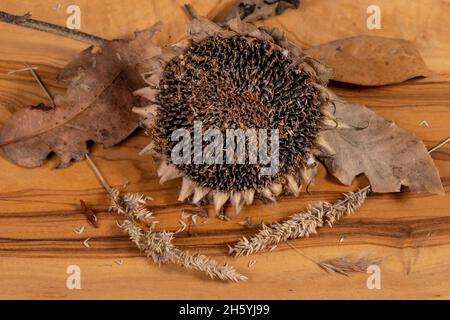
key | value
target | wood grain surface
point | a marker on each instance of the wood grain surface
(39, 208)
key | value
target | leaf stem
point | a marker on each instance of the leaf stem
(27, 22)
(98, 174)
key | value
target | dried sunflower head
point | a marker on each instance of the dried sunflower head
(237, 78)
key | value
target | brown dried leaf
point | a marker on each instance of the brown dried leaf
(388, 155)
(253, 10)
(97, 105)
(89, 213)
(370, 60)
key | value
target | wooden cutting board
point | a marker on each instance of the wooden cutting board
(39, 208)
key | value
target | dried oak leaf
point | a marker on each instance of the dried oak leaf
(253, 10)
(388, 155)
(96, 107)
(370, 60)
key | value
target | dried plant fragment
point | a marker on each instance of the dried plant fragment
(371, 60)
(89, 213)
(424, 124)
(249, 223)
(41, 85)
(158, 245)
(96, 107)
(253, 10)
(300, 225)
(388, 155)
(22, 70)
(139, 223)
(86, 243)
(193, 214)
(79, 230)
(349, 264)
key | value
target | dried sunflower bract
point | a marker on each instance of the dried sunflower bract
(238, 77)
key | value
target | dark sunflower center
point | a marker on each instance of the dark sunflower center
(238, 83)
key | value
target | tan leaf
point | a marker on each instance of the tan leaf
(370, 60)
(248, 29)
(201, 28)
(388, 155)
(96, 107)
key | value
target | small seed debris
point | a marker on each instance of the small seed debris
(119, 262)
(79, 230)
(193, 214)
(183, 226)
(251, 263)
(120, 225)
(86, 243)
(248, 222)
(424, 123)
(200, 213)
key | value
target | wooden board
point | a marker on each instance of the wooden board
(39, 208)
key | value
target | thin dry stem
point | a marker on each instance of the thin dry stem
(98, 174)
(41, 85)
(27, 22)
(21, 70)
(440, 145)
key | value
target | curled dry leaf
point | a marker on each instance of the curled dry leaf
(253, 10)
(388, 155)
(370, 60)
(97, 105)
(89, 213)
